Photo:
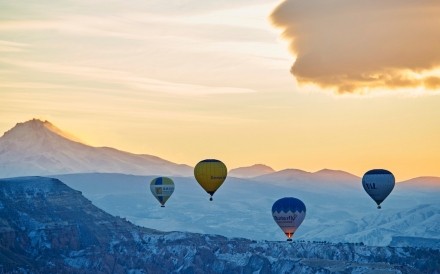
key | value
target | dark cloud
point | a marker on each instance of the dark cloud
(356, 45)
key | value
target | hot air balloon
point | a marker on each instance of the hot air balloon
(210, 174)
(378, 183)
(289, 213)
(162, 188)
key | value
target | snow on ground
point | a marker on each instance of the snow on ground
(242, 208)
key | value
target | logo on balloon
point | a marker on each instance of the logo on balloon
(210, 174)
(162, 188)
(289, 213)
(378, 183)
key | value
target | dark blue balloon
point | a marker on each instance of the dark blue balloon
(378, 171)
(288, 203)
(378, 183)
(288, 213)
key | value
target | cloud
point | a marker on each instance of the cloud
(357, 46)
(8, 46)
(116, 78)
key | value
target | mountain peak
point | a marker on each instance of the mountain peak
(37, 147)
(36, 127)
(336, 174)
(34, 124)
(251, 171)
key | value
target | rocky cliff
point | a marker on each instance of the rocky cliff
(46, 227)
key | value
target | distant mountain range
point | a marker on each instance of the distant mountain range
(338, 209)
(47, 227)
(38, 147)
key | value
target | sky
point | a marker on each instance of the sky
(311, 84)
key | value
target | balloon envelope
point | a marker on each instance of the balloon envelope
(378, 183)
(289, 213)
(210, 174)
(162, 188)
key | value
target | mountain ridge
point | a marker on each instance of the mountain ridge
(251, 171)
(38, 147)
(423, 181)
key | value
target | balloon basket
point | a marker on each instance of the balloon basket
(289, 240)
(162, 206)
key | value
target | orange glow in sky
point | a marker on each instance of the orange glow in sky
(195, 81)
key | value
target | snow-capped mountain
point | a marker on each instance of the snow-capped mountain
(37, 147)
(250, 171)
(71, 235)
(336, 212)
(241, 207)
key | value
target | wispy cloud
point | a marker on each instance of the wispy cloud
(189, 53)
(356, 47)
(8, 46)
(119, 78)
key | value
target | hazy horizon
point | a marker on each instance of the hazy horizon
(19, 131)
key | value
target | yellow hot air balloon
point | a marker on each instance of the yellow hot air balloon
(210, 174)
